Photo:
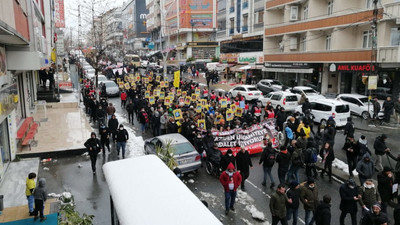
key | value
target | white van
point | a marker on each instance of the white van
(322, 109)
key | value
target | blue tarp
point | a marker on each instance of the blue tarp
(51, 220)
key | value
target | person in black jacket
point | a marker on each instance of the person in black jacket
(93, 146)
(113, 126)
(292, 209)
(283, 160)
(349, 198)
(121, 136)
(226, 159)
(104, 133)
(388, 107)
(329, 134)
(352, 150)
(349, 128)
(385, 183)
(327, 156)
(268, 160)
(130, 108)
(156, 124)
(375, 217)
(323, 211)
(380, 150)
(243, 163)
(306, 107)
(209, 141)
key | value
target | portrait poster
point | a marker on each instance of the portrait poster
(201, 124)
(147, 94)
(152, 100)
(239, 112)
(224, 103)
(198, 108)
(177, 114)
(167, 101)
(229, 115)
(162, 95)
(187, 100)
(197, 91)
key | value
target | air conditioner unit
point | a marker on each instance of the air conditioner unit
(294, 13)
(293, 43)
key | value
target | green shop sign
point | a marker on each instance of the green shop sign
(247, 59)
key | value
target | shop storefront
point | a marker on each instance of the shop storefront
(202, 50)
(294, 74)
(238, 61)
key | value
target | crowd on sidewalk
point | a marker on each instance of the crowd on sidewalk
(163, 107)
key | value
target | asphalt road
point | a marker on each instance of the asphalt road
(92, 197)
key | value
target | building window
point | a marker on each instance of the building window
(260, 17)
(367, 39)
(395, 36)
(245, 22)
(328, 42)
(232, 26)
(305, 12)
(303, 44)
(368, 4)
(330, 7)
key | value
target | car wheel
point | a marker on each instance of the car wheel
(209, 167)
(324, 123)
(365, 115)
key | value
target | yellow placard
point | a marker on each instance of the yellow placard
(187, 100)
(152, 100)
(162, 84)
(194, 97)
(203, 102)
(198, 108)
(167, 101)
(177, 114)
(158, 79)
(147, 94)
(16, 98)
(184, 93)
(201, 124)
(156, 93)
(197, 91)
(224, 103)
(177, 78)
(118, 80)
(218, 119)
(239, 112)
(229, 115)
(121, 85)
(179, 92)
(233, 107)
(146, 80)
(137, 78)
(149, 87)
(162, 95)
(127, 86)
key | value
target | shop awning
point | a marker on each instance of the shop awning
(288, 70)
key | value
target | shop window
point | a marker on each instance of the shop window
(368, 4)
(305, 12)
(261, 17)
(330, 7)
(303, 44)
(395, 36)
(367, 39)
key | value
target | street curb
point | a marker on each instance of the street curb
(53, 154)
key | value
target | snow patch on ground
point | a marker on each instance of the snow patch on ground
(246, 221)
(339, 164)
(191, 181)
(209, 198)
(135, 144)
(244, 198)
(255, 213)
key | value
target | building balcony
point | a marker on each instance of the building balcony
(245, 5)
(231, 31)
(388, 54)
(392, 10)
(245, 29)
(232, 9)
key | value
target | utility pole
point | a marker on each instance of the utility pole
(374, 48)
(79, 26)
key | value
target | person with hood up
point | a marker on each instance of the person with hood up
(121, 136)
(40, 196)
(375, 217)
(277, 205)
(328, 156)
(369, 195)
(351, 149)
(230, 180)
(385, 184)
(349, 198)
(363, 146)
(323, 211)
(365, 168)
(309, 198)
(283, 160)
(104, 133)
(329, 134)
(243, 163)
(310, 158)
(293, 193)
(130, 108)
(113, 125)
(93, 146)
(226, 159)
(208, 141)
(267, 158)
(349, 128)
(30, 188)
(380, 150)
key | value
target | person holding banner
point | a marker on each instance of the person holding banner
(243, 163)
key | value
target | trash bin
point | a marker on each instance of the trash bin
(1, 203)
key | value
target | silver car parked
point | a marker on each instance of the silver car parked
(186, 156)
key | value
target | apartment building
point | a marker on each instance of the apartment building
(136, 37)
(26, 34)
(113, 29)
(187, 28)
(327, 44)
(240, 33)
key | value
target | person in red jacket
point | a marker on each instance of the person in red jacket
(123, 98)
(230, 180)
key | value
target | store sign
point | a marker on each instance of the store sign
(372, 82)
(59, 13)
(8, 99)
(228, 57)
(360, 67)
(287, 65)
(251, 57)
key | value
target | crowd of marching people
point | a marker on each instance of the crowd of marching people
(162, 107)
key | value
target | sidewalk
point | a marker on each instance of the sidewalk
(223, 84)
(63, 127)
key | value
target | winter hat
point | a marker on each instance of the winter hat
(310, 180)
(377, 205)
(229, 151)
(387, 169)
(294, 184)
(383, 136)
(351, 182)
(362, 136)
(230, 166)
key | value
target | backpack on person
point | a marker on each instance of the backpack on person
(311, 156)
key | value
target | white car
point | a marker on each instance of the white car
(309, 92)
(112, 88)
(90, 73)
(268, 85)
(101, 78)
(249, 92)
(285, 99)
(322, 109)
(144, 63)
(358, 104)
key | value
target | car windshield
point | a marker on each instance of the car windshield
(310, 92)
(363, 100)
(102, 78)
(183, 148)
(110, 84)
(291, 98)
(342, 108)
(252, 89)
(275, 82)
